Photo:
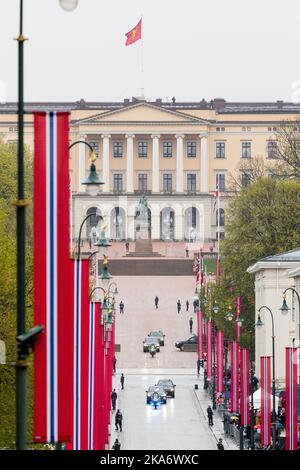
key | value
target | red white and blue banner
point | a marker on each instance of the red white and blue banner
(81, 348)
(291, 407)
(265, 410)
(220, 361)
(237, 315)
(52, 268)
(200, 333)
(234, 389)
(209, 341)
(245, 389)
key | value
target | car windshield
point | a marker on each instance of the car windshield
(156, 333)
(165, 383)
(151, 340)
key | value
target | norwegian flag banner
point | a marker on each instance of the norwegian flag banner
(291, 407)
(265, 409)
(209, 333)
(234, 393)
(237, 315)
(80, 349)
(200, 333)
(220, 361)
(245, 389)
(52, 268)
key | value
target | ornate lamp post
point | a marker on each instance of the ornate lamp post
(285, 309)
(259, 324)
(215, 310)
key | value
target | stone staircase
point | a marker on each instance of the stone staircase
(143, 249)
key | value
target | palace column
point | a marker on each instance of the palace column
(105, 164)
(155, 163)
(179, 163)
(204, 164)
(129, 163)
(81, 164)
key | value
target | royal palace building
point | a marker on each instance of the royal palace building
(173, 152)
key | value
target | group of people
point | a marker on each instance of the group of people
(118, 416)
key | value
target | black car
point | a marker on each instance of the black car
(149, 341)
(168, 386)
(189, 344)
(156, 395)
(158, 334)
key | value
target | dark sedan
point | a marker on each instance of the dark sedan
(188, 345)
(149, 341)
(158, 334)
(168, 386)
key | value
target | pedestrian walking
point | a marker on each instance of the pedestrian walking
(118, 420)
(115, 364)
(210, 414)
(187, 305)
(195, 305)
(220, 445)
(127, 247)
(121, 305)
(122, 379)
(178, 306)
(198, 366)
(156, 300)
(191, 324)
(117, 445)
(186, 251)
(114, 397)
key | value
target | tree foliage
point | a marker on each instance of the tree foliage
(262, 220)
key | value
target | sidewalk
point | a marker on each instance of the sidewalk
(217, 429)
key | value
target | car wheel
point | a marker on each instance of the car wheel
(173, 396)
(181, 348)
(144, 350)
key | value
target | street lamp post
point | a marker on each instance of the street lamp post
(259, 323)
(284, 308)
(252, 423)
(21, 204)
(215, 310)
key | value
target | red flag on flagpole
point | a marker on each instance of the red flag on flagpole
(209, 342)
(265, 409)
(135, 34)
(220, 361)
(52, 303)
(245, 406)
(234, 389)
(200, 333)
(291, 407)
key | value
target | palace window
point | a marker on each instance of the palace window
(220, 149)
(246, 149)
(118, 149)
(167, 149)
(272, 149)
(118, 182)
(191, 148)
(143, 149)
(191, 182)
(95, 147)
(220, 182)
(143, 182)
(167, 182)
(245, 179)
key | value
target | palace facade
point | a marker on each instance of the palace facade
(174, 152)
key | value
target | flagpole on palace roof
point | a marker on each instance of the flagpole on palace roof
(142, 63)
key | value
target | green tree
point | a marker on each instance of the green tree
(262, 220)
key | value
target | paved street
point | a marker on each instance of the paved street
(180, 424)
(141, 317)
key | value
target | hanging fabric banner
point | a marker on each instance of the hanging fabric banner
(220, 361)
(52, 268)
(80, 395)
(237, 315)
(245, 389)
(234, 360)
(265, 409)
(209, 349)
(200, 333)
(291, 407)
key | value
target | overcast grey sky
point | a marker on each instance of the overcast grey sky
(242, 50)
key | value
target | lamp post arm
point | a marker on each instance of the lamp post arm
(81, 142)
(96, 288)
(298, 297)
(81, 226)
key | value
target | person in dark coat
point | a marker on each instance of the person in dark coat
(114, 397)
(220, 445)
(122, 379)
(114, 364)
(121, 307)
(117, 445)
(191, 324)
(198, 366)
(118, 420)
(187, 305)
(195, 305)
(178, 306)
(156, 300)
(210, 414)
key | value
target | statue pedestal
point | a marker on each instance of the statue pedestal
(144, 233)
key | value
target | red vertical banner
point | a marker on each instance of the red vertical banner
(245, 389)
(234, 389)
(200, 333)
(220, 361)
(265, 409)
(101, 388)
(209, 333)
(291, 407)
(95, 384)
(237, 315)
(81, 345)
(52, 269)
